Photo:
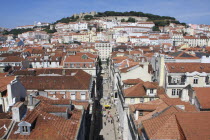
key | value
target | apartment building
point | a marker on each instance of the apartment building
(104, 49)
(85, 61)
(180, 75)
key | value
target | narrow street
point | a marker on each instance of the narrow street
(108, 117)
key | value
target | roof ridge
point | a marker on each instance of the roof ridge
(179, 127)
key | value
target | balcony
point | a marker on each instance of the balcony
(177, 85)
(180, 83)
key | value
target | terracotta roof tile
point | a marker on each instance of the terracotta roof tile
(162, 127)
(12, 59)
(203, 96)
(188, 67)
(79, 81)
(135, 91)
(5, 81)
(195, 125)
(132, 81)
(150, 85)
(48, 126)
(4, 125)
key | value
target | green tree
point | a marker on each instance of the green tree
(130, 19)
(122, 20)
(48, 30)
(15, 32)
(155, 28)
(88, 17)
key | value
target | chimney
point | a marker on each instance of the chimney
(136, 115)
(30, 99)
(18, 111)
(70, 107)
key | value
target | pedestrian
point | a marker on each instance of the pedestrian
(105, 123)
(111, 121)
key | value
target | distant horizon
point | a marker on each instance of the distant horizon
(19, 13)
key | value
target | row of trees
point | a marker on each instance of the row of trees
(158, 20)
(73, 19)
(133, 13)
(67, 19)
(130, 19)
(15, 32)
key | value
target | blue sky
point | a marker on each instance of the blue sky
(24, 12)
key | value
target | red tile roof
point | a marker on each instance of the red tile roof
(163, 127)
(4, 126)
(203, 96)
(195, 125)
(5, 81)
(12, 59)
(48, 126)
(3, 49)
(132, 81)
(135, 91)
(85, 104)
(187, 67)
(79, 81)
(150, 85)
(127, 69)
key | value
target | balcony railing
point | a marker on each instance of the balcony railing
(181, 83)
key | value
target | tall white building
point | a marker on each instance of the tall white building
(104, 49)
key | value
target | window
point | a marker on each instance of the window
(132, 100)
(51, 92)
(72, 65)
(151, 91)
(195, 81)
(141, 113)
(141, 100)
(151, 99)
(178, 91)
(62, 92)
(83, 96)
(66, 65)
(78, 65)
(115, 95)
(73, 96)
(25, 129)
(173, 92)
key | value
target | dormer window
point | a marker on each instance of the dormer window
(25, 128)
(151, 91)
(141, 113)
